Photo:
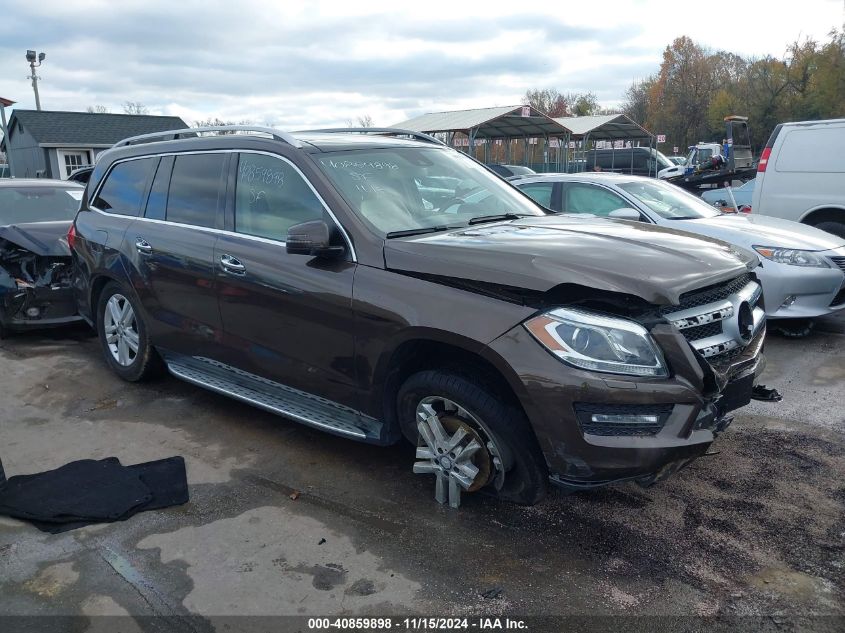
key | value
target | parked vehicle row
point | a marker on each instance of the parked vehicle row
(577, 329)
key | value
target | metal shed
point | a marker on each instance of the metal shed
(494, 128)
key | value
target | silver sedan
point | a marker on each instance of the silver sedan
(803, 268)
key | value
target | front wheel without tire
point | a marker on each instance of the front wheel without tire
(123, 336)
(470, 439)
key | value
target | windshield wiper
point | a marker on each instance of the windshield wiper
(685, 217)
(494, 218)
(421, 231)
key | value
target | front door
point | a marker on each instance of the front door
(286, 317)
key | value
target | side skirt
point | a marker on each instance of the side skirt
(277, 398)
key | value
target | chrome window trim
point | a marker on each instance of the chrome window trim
(340, 226)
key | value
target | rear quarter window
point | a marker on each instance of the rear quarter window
(817, 150)
(124, 187)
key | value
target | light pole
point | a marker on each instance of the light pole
(31, 58)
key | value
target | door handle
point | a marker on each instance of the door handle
(143, 246)
(232, 265)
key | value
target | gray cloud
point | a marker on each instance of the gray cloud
(227, 59)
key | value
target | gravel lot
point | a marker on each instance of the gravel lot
(756, 529)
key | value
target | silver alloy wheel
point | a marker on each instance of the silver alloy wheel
(449, 456)
(121, 330)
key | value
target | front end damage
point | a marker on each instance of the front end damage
(596, 429)
(35, 289)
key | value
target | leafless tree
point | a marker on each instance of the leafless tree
(365, 120)
(135, 107)
(97, 109)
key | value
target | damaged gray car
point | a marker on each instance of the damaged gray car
(35, 262)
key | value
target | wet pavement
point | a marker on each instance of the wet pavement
(287, 520)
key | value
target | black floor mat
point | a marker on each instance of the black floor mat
(88, 491)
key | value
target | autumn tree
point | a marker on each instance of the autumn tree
(696, 88)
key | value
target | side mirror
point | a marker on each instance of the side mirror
(312, 238)
(625, 214)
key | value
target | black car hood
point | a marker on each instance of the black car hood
(539, 253)
(48, 239)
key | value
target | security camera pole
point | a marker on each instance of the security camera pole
(31, 58)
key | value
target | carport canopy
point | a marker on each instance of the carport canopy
(604, 127)
(505, 122)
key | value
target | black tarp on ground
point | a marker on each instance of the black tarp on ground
(90, 491)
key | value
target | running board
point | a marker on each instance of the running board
(274, 397)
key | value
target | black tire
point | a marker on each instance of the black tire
(792, 328)
(147, 363)
(526, 476)
(831, 226)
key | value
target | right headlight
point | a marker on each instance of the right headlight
(597, 342)
(792, 256)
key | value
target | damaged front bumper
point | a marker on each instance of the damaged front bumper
(596, 429)
(42, 300)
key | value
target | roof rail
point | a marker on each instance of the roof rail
(169, 135)
(395, 131)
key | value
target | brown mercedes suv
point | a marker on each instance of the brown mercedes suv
(376, 283)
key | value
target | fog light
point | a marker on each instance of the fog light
(33, 312)
(624, 418)
(789, 301)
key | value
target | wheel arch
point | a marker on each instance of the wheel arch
(827, 213)
(433, 350)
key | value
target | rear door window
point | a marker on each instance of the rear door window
(271, 196)
(157, 200)
(124, 188)
(196, 189)
(583, 198)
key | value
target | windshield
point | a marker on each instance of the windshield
(669, 201)
(19, 205)
(411, 188)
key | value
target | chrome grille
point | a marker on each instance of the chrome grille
(710, 318)
(839, 261)
(699, 332)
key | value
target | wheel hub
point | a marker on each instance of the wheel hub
(452, 450)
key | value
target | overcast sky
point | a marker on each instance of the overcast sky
(295, 64)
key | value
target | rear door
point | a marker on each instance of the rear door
(173, 250)
(102, 246)
(286, 317)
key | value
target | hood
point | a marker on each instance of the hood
(539, 253)
(48, 239)
(760, 230)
